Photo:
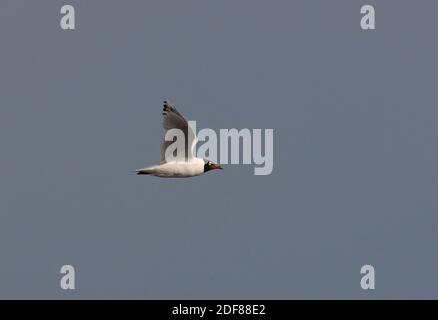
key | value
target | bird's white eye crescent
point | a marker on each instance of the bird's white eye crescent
(209, 163)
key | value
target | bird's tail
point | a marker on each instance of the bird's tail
(141, 172)
(147, 170)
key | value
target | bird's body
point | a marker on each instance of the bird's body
(186, 166)
(176, 169)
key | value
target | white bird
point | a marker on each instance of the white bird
(190, 166)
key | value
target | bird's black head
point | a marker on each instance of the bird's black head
(208, 165)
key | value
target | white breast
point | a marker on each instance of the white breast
(181, 169)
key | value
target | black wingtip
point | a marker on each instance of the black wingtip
(166, 107)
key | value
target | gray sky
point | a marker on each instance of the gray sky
(355, 176)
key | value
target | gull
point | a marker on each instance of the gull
(189, 166)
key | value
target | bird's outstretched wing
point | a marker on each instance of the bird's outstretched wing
(172, 119)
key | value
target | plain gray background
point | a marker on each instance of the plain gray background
(355, 176)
